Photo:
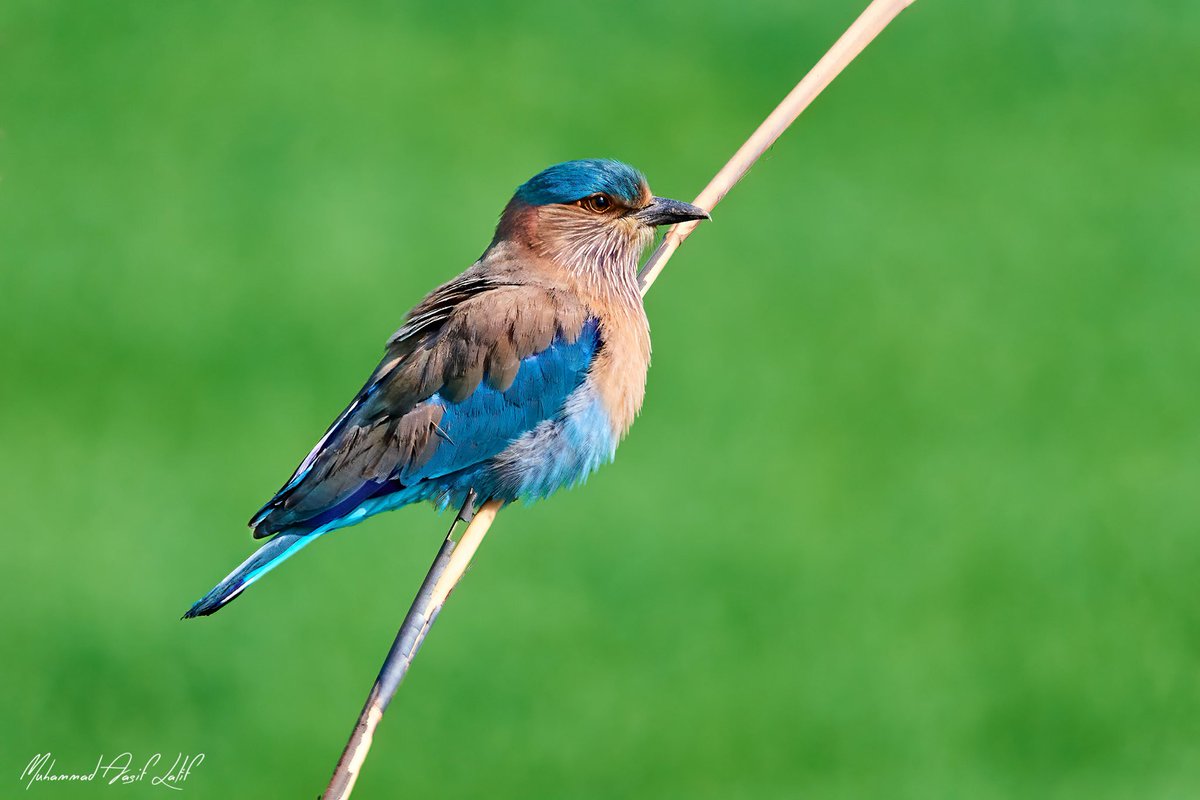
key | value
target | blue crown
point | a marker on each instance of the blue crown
(573, 180)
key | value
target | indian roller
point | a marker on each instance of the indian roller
(514, 380)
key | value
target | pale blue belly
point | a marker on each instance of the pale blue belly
(556, 454)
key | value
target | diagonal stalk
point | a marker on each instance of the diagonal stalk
(449, 566)
(453, 558)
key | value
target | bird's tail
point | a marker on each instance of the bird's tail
(264, 559)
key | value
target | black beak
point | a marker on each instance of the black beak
(668, 212)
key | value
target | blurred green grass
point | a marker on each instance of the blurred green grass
(911, 510)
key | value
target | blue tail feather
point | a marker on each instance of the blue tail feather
(264, 559)
(287, 542)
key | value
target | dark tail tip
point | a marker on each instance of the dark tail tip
(214, 601)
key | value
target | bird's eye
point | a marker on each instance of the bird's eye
(597, 203)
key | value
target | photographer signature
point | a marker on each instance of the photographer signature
(119, 770)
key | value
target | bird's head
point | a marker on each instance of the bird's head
(592, 216)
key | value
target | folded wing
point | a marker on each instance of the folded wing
(477, 364)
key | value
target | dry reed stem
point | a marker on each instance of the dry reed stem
(453, 558)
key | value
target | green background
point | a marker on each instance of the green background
(911, 510)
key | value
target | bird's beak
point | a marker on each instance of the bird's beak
(668, 212)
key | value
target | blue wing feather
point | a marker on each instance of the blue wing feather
(470, 432)
(488, 420)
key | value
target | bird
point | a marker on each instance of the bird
(511, 381)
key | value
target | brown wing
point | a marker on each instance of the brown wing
(473, 331)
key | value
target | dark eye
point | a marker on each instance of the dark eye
(597, 203)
